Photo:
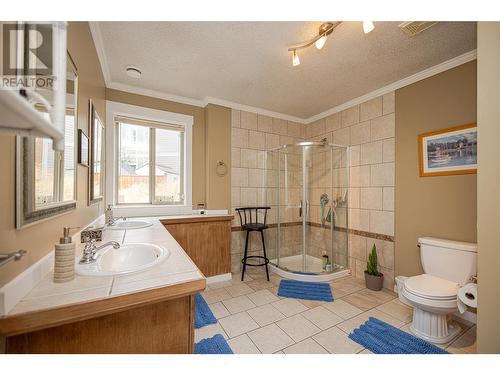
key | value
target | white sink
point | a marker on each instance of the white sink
(129, 224)
(129, 258)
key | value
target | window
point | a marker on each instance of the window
(150, 166)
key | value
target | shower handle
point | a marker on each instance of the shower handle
(300, 209)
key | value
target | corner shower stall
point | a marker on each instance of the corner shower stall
(306, 187)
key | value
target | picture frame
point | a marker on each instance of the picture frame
(451, 151)
(83, 148)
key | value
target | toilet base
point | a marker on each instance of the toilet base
(433, 327)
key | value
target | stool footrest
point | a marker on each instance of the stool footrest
(266, 261)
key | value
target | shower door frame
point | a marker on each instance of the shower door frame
(305, 210)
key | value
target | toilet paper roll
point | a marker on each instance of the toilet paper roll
(467, 296)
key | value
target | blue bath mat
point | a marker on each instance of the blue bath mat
(202, 313)
(213, 345)
(305, 290)
(382, 338)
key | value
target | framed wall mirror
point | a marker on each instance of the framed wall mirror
(46, 179)
(96, 170)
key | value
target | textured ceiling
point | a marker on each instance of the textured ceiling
(248, 62)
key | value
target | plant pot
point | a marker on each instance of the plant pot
(374, 282)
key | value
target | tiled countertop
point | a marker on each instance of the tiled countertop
(177, 269)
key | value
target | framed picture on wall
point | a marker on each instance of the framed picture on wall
(451, 151)
(83, 148)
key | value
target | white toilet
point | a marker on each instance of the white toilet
(448, 265)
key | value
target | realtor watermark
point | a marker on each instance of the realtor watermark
(27, 53)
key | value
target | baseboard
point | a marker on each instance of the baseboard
(16, 289)
(219, 278)
(468, 316)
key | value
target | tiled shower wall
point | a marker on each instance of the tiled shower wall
(369, 129)
(252, 135)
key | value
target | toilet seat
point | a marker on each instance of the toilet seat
(431, 287)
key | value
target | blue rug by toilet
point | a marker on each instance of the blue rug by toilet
(202, 313)
(305, 290)
(382, 338)
(213, 345)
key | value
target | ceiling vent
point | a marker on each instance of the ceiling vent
(415, 27)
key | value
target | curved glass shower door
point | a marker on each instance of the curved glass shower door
(307, 187)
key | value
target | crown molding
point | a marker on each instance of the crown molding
(155, 94)
(429, 72)
(99, 46)
(257, 110)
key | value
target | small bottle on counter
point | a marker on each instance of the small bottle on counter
(108, 214)
(64, 258)
(201, 208)
(325, 259)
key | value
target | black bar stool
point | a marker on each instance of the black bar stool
(249, 220)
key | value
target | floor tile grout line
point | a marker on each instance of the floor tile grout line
(316, 341)
(246, 334)
(253, 342)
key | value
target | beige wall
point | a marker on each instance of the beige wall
(443, 206)
(198, 113)
(218, 148)
(39, 239)
(488, 187)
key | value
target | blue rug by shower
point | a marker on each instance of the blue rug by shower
(382, 338)
(202, 313)
(305, 290)
(213, 345)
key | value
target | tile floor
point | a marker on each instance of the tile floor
(253, 319)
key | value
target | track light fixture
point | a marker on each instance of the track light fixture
(319, 40)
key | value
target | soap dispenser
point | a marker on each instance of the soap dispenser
(64, 259)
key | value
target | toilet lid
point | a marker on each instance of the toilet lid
(431, 287)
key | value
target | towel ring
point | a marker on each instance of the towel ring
(221, 168)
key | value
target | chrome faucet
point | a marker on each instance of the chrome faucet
(113, 220)
(90, 251)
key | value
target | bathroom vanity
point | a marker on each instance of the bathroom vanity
(206, 239)
(144, 312)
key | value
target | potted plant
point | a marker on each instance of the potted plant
(374, 279)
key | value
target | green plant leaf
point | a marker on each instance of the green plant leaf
(372, 264)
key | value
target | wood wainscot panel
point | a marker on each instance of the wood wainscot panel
(207, 241)
(164, 327)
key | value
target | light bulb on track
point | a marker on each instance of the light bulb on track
(295, 59)
(320, 42)
(368, 26)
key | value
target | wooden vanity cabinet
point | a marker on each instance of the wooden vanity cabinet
(207, 241)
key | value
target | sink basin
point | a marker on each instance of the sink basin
(129, 258)
(129, 224)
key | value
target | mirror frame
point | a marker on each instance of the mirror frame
(93, 115)
(26, 214)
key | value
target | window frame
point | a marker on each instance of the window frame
(152, 126)
(156, 117)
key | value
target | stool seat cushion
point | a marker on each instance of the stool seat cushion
(254, 226)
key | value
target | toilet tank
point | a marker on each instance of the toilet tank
(450, 260)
